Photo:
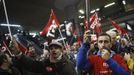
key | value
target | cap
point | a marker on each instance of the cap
(55, 43)
(111, 33)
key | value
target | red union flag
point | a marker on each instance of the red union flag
(51, 25)
(95, 24)
(18, 44)
(93, 21)
(85, 25)
(119, 29)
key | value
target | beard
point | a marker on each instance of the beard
(55, 57)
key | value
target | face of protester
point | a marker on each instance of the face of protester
(32, 52)
(31, 49)
(55, 52)
(104, 42)
(75, 46)
(113, 38)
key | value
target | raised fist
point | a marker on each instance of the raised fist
(87, 37)
(105, 54)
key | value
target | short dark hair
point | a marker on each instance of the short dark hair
(104, 34)
(2, 57)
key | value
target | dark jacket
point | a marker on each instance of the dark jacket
(63, 67)
(13, 71)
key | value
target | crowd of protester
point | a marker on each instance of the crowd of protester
(111, 54)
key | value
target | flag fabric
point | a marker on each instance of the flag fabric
(19, 43)
(93, 21)
(85, 25)
(6, 48)
(51, 25)
(22, 48)
(119, 29)
(95, 24)
(23, 42)
(98, 28)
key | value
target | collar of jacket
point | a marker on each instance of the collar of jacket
(112, 53)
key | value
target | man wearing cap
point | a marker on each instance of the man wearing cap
(56, 64)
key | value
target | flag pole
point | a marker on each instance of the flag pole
(7, 20)
(59, 30)
(9, 30)
(63, 39)
(87, 11)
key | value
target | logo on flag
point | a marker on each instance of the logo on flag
(52, 25)
(94, 23)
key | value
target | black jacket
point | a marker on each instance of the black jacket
(63, 67)
(13, 71)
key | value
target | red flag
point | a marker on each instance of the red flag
(98, 28)
(93, 21)
(119, 29)
(95, 24)
(52, 23)
(22, 47)
(19, 46)
(85, 25)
